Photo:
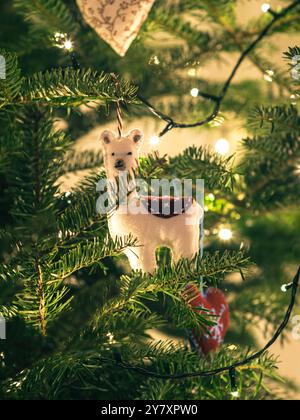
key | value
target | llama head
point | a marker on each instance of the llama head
(121, 153)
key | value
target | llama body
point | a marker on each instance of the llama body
(179, 232)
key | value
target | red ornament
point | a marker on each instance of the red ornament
(215, 302)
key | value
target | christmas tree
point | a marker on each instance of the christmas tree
(79, 322)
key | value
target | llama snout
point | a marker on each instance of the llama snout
(120, 165)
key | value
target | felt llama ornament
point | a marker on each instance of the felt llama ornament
(215, 304)
(177, 230)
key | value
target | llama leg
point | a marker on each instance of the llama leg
(187, 248)
(141, 258)
(134, 258)
(147, 261)
(178, 254)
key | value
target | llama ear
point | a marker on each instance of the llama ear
(107, 136)
(136, 136)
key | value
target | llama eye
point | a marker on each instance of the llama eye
(129, 153)
(113, 154)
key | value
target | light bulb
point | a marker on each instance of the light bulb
(294, 99)
(62, 41)
(194, 92)
(58, 36)
(268, 76)
(111, 338)
(265, 7)
(192, 72)
(68, 44)
(225, 234)
(232, 347)
(154, 60)
(154, 140)
(286, 287)
(222, 146)
(235, 394)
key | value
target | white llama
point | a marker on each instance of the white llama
(179, 231)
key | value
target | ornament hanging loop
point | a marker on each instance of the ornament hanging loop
(118, 105)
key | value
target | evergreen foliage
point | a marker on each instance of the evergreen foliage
(70, 303)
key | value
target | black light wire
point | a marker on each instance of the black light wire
(216, 99)
(231, 368)
(219, 99)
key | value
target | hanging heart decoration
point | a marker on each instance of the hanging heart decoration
(117, 22)
(213, 303)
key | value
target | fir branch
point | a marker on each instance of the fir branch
(214, 267)
(9, 274)
(180, 6)
(171, 22)
(80, 218)
(270, 161)
(87, 253)
(293, 57)
(292, 51)
(137, 289)
(170, 283)
(79, 161)
(34, 169)
(280, 77)
(202, 163)
(47, 15)
(275, 147)
(40, 302)
(9, 312)
(41, 296)
(92, 373)
(263, 310)
(152, 166)
(68, 87)
(11, 80)
(218, 99)
(279, 119)
(74, 87)
(123, 327)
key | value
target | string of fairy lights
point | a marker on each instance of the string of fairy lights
(232, 369)
(217, 100)
(222, 146)
(64, 41)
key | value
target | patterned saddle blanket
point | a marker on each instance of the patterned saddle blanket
(166, 207)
